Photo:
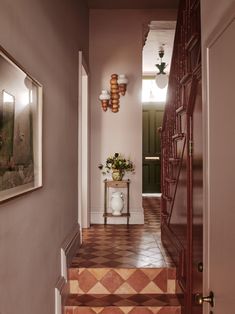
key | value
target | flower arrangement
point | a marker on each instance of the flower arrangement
(118, 165)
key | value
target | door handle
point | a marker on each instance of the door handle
(200, 267)
(199, 299)
(152, 158)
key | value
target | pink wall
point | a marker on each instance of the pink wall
(44, 36)
(116, 47)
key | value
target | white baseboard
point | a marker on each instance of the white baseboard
(136, 218)
(58, 295)
(69, 247)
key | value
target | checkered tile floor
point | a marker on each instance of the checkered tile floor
(123, 270)
(121, 246)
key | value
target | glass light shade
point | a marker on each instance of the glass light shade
(161, 80)
(104, 95)
(122, 79)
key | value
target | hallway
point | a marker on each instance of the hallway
(123, 269)
(122, 246)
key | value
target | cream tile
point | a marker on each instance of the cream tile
(98, 289)
(125, 288)
(99, 272)
(151, 272)
(171, 286)
(151, 288)
(125, 273)
(73, 286)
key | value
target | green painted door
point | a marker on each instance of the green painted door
(152, 120)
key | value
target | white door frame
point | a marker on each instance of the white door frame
(83, 144)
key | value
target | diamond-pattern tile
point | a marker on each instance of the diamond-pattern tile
(86, 281)
(123, 281)
(112, 281)
(138, 280)
(161, 280)
(120, 246)
(119, 270)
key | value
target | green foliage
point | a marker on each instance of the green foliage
(117, 162)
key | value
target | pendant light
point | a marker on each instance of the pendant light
(161, 78)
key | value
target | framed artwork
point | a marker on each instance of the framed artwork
(20, 129)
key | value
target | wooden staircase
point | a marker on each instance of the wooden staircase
(181, 156)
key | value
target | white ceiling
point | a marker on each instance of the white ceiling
(161, 33)
(133, 4)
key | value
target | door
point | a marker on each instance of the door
(152, 120)
(197, 200)
(219, 171)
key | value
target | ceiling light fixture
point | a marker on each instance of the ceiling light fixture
(161, 78)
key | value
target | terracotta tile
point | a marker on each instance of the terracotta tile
(138, 310)
(86, 280)
(109, 246)
(171, 273)
(112, 263)
(99, 273)
(161, 280)
(83, 310)
(138, 280)
(99, 288)
(73, 273)
(155, 300)
(169, 310)
(112, 281)
(125, 288)
(125, 273)
(112, 310)
(139, 299)
(171, 286)
(68, 310)
(151, 273)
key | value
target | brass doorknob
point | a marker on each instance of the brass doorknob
(199, 299)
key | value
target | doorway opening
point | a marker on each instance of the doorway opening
(83, 145)
(160, 36)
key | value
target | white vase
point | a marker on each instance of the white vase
(117, 203)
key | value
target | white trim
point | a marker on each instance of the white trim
(136, 218)
(63, 264)
(58, 295)
(69, 248)
(58, 302)
(152, 194)
(83, 144)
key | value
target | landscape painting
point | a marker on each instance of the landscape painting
(20, 130)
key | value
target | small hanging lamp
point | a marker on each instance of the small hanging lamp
(161, 78)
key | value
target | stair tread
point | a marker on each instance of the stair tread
(123, 300)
